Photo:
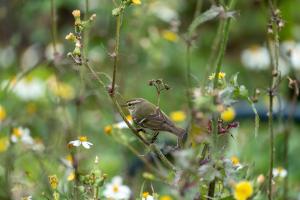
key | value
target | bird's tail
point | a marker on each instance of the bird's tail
(181, 133)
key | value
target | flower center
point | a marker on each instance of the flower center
(82, 138)
(235, 160)
(280, 169)
(145, 194)
(116, 188)
(254, 48)
(17, 132)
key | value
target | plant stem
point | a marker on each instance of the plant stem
(225, 34)
(53, 26)
(273, 87)
(188, 76)
(116, 53)
(271, 132)
(213, 52)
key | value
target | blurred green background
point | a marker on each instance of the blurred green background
(152, 46)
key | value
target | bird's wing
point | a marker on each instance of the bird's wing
(157, 121)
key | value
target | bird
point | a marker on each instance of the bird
(149, 116)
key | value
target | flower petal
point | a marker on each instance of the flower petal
(86, 145)
(75, 143)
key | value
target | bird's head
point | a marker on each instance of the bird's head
(134, 104)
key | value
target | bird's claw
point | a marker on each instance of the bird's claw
(154, 138)
(141, 130)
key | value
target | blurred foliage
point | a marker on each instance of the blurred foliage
(152, 46)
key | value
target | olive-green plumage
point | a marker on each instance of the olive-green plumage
(147, 115)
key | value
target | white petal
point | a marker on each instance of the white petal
(14, 139)
(75, 143)
(86, 145)
(283, 173)
(117, 180)
(275, 172)
(150, 197)
(124, 192)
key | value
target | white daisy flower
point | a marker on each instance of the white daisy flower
(28, 89)
(147, 196)
(163, 11)
(295, 57)
(82, 140)
(23, 135)
(255, 57)
(115, 190)
(279, 172)
(291, 51)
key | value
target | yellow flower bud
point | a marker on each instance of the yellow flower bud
(53, 180)
(108, 129)
(76, 13)
(92, 18)
(2, 113)
(260, 179)
(71, 37)
(228, 115)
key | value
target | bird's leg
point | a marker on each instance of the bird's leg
(154, 138)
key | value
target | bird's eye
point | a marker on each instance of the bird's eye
(129, 104)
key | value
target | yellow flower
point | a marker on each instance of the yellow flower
(221, 75)
(235, 161)
(108, 129)
(71, 176)
(2, 113)
(53, 180)
(228, 115)
(165, 197)
(76, 13)
(177, 116)
(243, 190)
(60, 89)
(70, 37)
(3, 144)
(170, 36)
(136, 2)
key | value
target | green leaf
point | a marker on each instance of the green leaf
(256, 117)
(210, 14)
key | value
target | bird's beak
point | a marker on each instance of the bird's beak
(123, 105)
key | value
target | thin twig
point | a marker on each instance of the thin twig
(273, 88)
(116, 53)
